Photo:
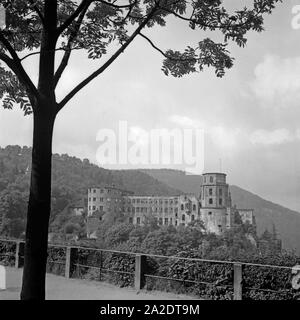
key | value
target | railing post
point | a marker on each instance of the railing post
(70, 254)
(19, 255)
(237, 281)
(140, 267)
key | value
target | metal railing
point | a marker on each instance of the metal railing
(236, 278)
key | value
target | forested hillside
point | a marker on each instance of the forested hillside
(72, 177)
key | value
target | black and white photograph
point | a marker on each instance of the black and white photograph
(149, 152)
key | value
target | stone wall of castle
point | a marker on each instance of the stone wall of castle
(213, 206)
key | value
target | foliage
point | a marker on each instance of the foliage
(71, 177)
(7, 253)
(96, 27)
(56, 260)
(118, 233)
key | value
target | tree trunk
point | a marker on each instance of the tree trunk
(34, 272)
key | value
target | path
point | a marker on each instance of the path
(60, 288)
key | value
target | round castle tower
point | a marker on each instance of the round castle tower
(215, 202)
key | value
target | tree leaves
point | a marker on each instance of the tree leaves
(210, 54)
(12, 92)
(100, 25)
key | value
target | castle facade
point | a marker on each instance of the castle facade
(212, 206)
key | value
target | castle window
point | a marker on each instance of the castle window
(160, 221)
(89, 207)
(176, 215)
(166, 210)
(193, 217)
(209, 213)
(210, 201)
(176, 223)
(210, 191)
(220, 201)
(100, 218)
(101, 208)
(94, 207)
(182, 207)
(138, 220)
(101, 199)
(194, 207)
(94, 190)
(166, 220)
(220, 191)
(170, 220)
(183, 217)
(94, 199)
(211, 179)
(130, 220)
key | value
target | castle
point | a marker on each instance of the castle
(213, 206)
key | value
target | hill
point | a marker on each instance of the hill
(72, 177)
(286, 221)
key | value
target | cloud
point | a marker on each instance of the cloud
(224, 138)
(186, 122)
(275, 137)
(277, 81)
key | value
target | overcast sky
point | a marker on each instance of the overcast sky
(251, 117)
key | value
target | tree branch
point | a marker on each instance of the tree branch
(15, 64)
(124, 6)
(73, 16)
(67, 54)
(153, 45)
(82, 84)
(37, 10)
(38, 52)
(163, 53)
(87, 3)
